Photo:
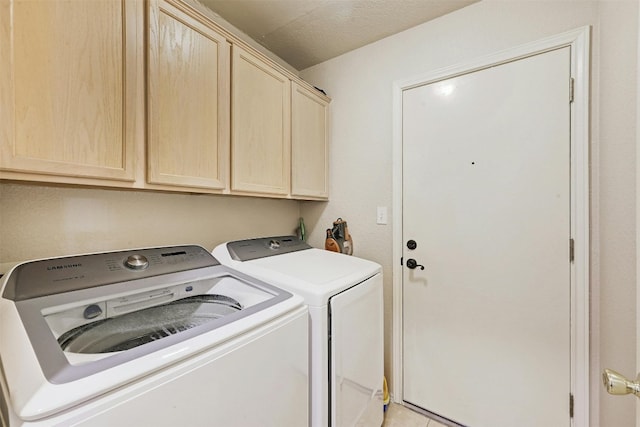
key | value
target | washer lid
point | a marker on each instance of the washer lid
(53, 297)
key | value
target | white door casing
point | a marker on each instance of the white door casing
(578, 41)
(638, 223)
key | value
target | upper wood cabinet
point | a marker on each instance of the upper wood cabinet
(207, 114)
(261, 135)
(309, 144)
(70, 88)
(188, 100)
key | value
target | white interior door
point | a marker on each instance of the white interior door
(486, 198)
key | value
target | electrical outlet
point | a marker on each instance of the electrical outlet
(381, 216)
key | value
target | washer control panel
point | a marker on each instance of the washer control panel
(59, 275)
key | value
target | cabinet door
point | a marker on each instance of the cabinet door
(309, 144)
(188, 100)
(69, 89)
(261, 132)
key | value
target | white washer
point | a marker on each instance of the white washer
(344, 294)
(158, 336)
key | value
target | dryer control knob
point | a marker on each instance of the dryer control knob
(136, 262)
(274, 244)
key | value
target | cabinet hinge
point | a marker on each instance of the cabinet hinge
(570, 405)
(571, 250)
(571, 88)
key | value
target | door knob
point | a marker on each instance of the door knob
(412, 263)
(616, 383)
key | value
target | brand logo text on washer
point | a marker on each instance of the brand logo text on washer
(60, 267)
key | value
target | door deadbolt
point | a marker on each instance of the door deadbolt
(411, 244)
(412, 263)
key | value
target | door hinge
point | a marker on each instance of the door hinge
(572, 82)
(571, 250)
(570, 405)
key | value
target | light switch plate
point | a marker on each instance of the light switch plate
(381, 216)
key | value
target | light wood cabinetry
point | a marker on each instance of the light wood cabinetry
(260, 116)
(309, 144)
(70, 87)
(188, 100)
(217, 115)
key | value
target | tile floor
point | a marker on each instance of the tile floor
(399, 416)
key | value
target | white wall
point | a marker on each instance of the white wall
(45, 221)
(360, 84)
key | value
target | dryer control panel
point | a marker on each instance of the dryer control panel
(245, 250)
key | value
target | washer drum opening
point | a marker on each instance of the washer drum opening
(137, 328)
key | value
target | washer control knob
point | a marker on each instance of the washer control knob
(274, 244)
(136, 262)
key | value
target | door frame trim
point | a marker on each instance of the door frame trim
(579, 42)
(638, 212)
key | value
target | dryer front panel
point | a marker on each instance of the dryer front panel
(356, 362)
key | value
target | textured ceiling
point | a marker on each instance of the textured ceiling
(307, 32)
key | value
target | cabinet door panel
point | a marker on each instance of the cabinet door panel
(261, 106)
(188, 101)
(309, 144)
(70, 88)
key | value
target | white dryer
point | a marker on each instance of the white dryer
(344, 294)
(157, 336)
